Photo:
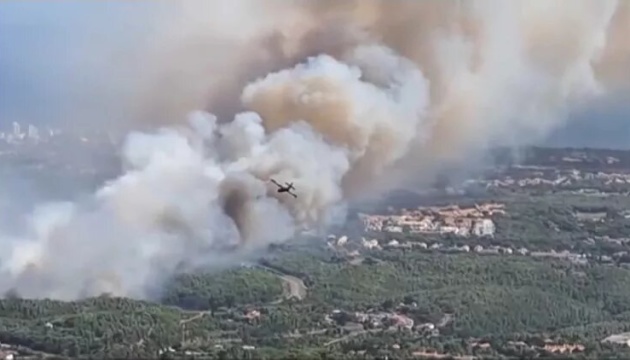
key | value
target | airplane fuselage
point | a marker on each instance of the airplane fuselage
(285, 189)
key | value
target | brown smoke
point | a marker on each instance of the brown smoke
(337, 97)
(206, 69)
(612, 67)
(237, 205)
(474, 54)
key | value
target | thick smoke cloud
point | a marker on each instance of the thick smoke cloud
(501, 73)
(189, 191)
(333, 96)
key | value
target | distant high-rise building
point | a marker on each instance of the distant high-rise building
(33, 133)
(16, 129)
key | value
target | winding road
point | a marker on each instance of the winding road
(293, 286)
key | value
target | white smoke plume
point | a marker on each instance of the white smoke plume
(333, 96)
(189, 191)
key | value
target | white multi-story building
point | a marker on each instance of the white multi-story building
(33, 132)
(484, 227)
(16, 130)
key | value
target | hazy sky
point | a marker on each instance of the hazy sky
(607, 125)
(50, 52)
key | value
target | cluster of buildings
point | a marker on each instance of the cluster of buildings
(557, 179)
(582, 157)
(31, 133)
(549, 346)
(352, 252)
(359, 321)
(476, 220)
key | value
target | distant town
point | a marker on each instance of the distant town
(31, 134)
(38, 154)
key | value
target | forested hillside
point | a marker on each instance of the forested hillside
(493, 298)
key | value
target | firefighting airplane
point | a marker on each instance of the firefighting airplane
(285, 189)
